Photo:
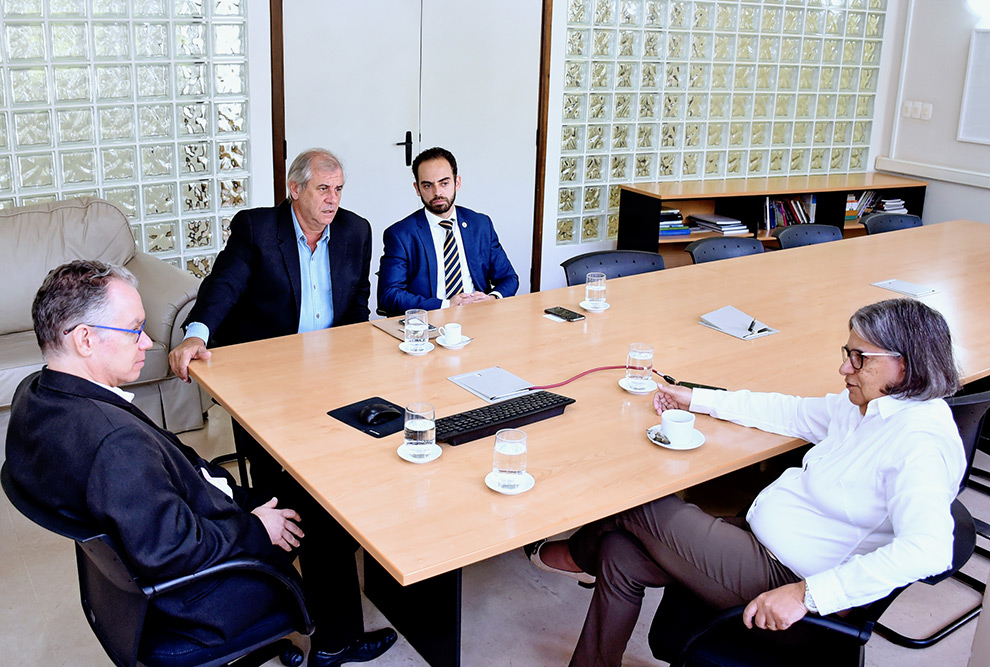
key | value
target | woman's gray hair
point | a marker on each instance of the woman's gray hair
(72, 294)
(921, 336)
(301, 169)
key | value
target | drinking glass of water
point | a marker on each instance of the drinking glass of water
(417, 330)
(639, 366)
(509, 463)
(594, 291)
(421, 431)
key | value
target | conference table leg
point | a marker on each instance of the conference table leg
(428, 613)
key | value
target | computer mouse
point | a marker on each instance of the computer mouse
(378, 413)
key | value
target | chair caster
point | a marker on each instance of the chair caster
(291, 656)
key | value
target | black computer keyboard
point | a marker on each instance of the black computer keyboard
(473, 424)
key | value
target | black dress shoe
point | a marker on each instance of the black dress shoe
(367, 647)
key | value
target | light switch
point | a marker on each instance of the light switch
(926, 111)
(906, 109)
(915, 109)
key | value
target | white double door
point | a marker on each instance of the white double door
(462, 75)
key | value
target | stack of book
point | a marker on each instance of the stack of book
(787, 211)
(852, 208)
(719, 223)
(893, 206)
(672, 223)
(867, 202)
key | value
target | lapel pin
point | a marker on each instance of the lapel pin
(464, 224)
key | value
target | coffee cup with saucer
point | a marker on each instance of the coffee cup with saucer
(451, 337)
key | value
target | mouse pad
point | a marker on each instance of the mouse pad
(349, 415)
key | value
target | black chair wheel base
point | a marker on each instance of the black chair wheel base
(292, 656)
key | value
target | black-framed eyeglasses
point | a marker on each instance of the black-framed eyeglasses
(137, 332)
(855, 357)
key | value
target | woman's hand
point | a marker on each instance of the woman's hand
(671, 397)
(778, 609)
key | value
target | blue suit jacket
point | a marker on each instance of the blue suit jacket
(408, 274)
(253, 291)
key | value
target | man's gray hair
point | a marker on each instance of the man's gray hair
(72, 294)
(921, 336)
(301, 169)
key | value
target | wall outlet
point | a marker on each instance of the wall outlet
(926, 111)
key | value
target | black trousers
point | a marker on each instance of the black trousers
(326, 555)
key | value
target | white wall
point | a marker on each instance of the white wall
(260, 160)
(931, 68)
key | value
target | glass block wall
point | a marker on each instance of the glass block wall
(657, 90)
(140, 102)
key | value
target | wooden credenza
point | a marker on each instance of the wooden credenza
(744, 199)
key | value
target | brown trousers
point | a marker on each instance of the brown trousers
(665, 541)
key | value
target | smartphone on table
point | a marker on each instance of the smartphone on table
(564, 314)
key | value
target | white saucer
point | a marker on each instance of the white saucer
(442, 340)
(435, 452)
(697, 440)
(404, 346)
(527, 483)
(587, 306)
(625, 384)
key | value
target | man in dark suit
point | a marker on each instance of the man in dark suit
(472, 264)
(78, 446)
(300, 266)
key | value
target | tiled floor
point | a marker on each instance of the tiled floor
(513, 613)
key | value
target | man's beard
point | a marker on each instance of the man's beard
(442, 207)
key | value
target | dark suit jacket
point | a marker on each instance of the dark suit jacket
(408, 274)
(87, 453)
(253, 291)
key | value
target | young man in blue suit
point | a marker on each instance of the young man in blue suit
(442, 255)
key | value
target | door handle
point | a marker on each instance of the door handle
(408, 144)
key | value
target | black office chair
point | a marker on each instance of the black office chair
(795, 236)
(116, 603)
(878, 223)
(723, 247)
(815, 640)
(969, 412)
(613, 263)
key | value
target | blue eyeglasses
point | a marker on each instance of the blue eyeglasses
(137, 332)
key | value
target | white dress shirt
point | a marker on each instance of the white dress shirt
(868, 511)
(439, 238)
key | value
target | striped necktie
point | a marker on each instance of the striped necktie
(451, 261)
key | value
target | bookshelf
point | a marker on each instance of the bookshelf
(743, 198)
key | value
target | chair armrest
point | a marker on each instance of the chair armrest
(237, 565)
(860, 633)
(165, 291)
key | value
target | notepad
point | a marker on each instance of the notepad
(735, 322)
(492, 384)
(904, 287)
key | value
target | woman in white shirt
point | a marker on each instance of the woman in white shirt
(867, 512)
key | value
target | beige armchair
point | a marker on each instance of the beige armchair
(36, 239)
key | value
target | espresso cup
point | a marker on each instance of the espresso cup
(677, 426)
(451, 333)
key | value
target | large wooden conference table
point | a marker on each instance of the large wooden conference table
(421, 521)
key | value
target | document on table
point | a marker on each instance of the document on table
(904, 287)
(735, 322)
(492, 384)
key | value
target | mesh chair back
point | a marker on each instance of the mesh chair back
(878, 223)
(723, 247)
(613, 263)
(794, 236)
